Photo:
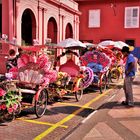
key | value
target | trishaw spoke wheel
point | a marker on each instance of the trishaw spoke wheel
(18, 110)
(41, 103)
(103, 86)
(115, 74)
(9, 117)
(78, 95)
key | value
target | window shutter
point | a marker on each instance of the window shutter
(132, 17)
(94, 18)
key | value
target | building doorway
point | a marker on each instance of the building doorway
(52, 30)
(28, 27)
(69, 31)
(130, 42)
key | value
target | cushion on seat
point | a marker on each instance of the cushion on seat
(70, 67)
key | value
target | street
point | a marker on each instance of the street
(60, 119)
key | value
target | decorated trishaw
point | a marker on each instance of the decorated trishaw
(72, 79)
(34, 81)
(100, 63)
(116, 69)
(113, 50)
(25, 85)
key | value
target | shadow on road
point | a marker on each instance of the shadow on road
(70, 110)
(110, 105)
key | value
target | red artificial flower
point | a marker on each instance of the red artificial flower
(3, 106)
(2, 92)
(15, 106)
(10, 110)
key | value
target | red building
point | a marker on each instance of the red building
(39, 19)
(110, 19)
(27, 20)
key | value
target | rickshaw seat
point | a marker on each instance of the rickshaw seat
(70, 67)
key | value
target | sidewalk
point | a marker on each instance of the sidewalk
(112, 121)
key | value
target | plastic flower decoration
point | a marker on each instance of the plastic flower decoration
(9, 101)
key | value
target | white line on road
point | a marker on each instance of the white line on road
(111, 98)
(89, 116)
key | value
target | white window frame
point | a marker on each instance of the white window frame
(94, 18)
(131, 21)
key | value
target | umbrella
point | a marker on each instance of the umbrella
(120, 44)
(71, 43)
(90, 45)
(107, 43)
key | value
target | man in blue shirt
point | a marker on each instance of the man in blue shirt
(130, 71)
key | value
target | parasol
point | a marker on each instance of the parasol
(71, 43)
(107, 43)
(90, 45)
(120, 44)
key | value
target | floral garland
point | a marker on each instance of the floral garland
(9, 101)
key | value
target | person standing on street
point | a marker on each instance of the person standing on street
(130, 71)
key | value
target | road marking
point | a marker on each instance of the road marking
(38, 122)
(111, 97)
(89, 116)
(70, 104)
(69, 117)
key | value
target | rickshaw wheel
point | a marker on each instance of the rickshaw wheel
(103, 86)
(9, 117)
(114, 75)
(41, 103)
(18, 111)
(78, 95)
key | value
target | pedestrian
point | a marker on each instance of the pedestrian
(130, 71)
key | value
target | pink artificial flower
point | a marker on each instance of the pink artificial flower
(51, 75)
(20, 63)
(3, 106)
(32, 58)
(14, 69)
(42, 61)
(46, 81)
(10, 110)
(15, 106)
(14, 72)
(23, 60)
(47, 67)
(2, 92)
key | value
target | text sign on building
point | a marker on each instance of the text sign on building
(94, 18)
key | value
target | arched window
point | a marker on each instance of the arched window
(52, 30)
(28, 27)
(69, 31)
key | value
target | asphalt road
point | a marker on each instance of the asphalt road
(60, 119)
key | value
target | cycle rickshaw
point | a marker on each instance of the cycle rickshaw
(28, 81)
(72, 78)
(116, 70)
(100, 63)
